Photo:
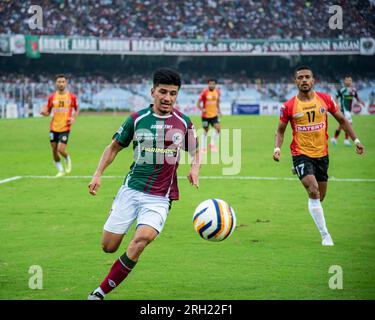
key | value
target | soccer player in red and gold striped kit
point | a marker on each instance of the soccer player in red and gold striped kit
(210, 97)
(64, 107)
(307, 114)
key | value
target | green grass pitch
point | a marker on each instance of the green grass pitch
(275, 253)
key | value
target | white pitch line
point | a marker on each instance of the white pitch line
(202, 178)
(10, 179)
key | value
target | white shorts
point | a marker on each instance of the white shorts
(348, 116)
(131, 204)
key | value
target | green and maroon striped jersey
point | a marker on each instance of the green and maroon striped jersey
(346, 96)
(157, 142)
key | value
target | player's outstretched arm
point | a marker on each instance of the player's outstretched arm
(74, 117)
(345, 125)
(194, 170)
(109, 154)
(199, 104)
(44, 111)
(279, 138)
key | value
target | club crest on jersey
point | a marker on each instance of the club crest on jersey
(177, 138)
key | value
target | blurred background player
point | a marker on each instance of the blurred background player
(307, 113)
(64, 107)
(210, 114)
(345, 98)
(151, 185)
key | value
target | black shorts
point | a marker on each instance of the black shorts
(206, 122)
(59, 137)
(318, 167)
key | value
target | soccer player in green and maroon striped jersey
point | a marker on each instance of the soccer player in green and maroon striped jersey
(158, 134)
(345, 97)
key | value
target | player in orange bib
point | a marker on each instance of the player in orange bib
(64, 108)
(307, 114)
(210, 111)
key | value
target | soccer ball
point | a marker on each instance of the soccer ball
(214, 220)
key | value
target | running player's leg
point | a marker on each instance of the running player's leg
(305, 168)
(215, 134)
(111, 241)
(123, 213)
(205, 126)
(55, 153)
(144, 236)
(322, 189)
(62, 149)
(348, 116)
(321, 174)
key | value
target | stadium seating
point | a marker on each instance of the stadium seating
(191, 19)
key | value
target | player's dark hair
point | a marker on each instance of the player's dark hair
(348, 76)
(302, 68)
(166, 76)
(61, 75)
(211, 79)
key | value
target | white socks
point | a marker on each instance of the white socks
(316, 211)
(59, 166)
(100, 291)
(204, 140)
(214, 136)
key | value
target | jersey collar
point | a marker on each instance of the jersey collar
(158, 116)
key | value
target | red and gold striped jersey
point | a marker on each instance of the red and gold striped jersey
(210, 102)
(61, 106)
(309, 124)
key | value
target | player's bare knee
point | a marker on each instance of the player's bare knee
(313, 192)
(109, 248)
(61, 150)
(322, 196)
(140, 243)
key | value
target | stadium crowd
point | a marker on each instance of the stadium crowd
(21, 87)
(191, 19)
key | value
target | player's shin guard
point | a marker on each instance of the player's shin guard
(119, 271)
(316, 211)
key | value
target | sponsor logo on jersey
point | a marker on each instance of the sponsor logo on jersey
(61, 110)
(311, 127)
(161, 126)
(308, 108)
(298, 115)
(159, 150)
(322, 110)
